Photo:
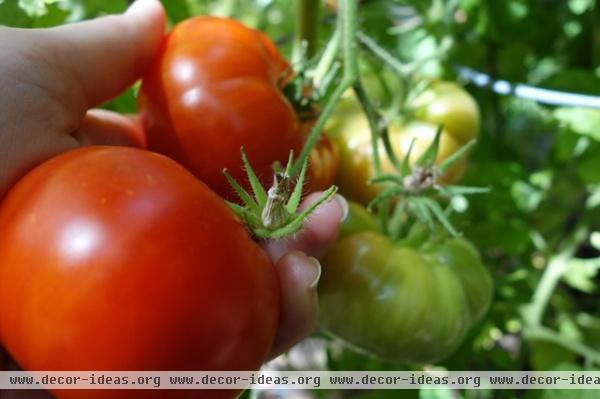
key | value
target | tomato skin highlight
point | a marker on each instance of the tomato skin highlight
(119, 259)
(217, 86)
(408, 302)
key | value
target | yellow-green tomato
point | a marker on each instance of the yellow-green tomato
(356, 154)
(449, 104)
(407, 303)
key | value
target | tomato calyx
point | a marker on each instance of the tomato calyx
(274, 213)
(411, 188)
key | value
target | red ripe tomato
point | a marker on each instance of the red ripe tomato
(217, 86)
(119, 259)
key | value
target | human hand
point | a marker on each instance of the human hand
(52, 78)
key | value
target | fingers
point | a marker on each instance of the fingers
(108, 54)
(298, 277)
(319, 231)
(109, 128)
(299, 270)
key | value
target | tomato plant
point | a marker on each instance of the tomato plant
(119, 259)
(408, 301)
(217, 86)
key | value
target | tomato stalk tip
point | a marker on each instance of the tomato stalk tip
(274, 213)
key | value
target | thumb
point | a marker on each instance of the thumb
(106, 55)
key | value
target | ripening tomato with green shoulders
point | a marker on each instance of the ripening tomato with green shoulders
(449, 104)
(407, 301)
(117, 258)
(443, 103)
(216, 86)
(356, 154)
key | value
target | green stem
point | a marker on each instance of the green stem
(534, 311)
(318, 128)
(328, 58)
(381, 53)
(550, 279)
(548, 335)
(375, 123)
(348, 14)
(350, 65)
(307, 29)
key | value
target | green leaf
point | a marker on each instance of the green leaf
(548, 355)
(34, 8)
(177, 10)
(581, 81)
(55, 15)
(588, 166)
(580, 6)
(526, 196)
(13, 15)
(581, 274)
(583, 121)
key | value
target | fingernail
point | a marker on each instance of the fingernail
(316, 265)
(343, 204)
(138, 6)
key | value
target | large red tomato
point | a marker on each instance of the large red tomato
(217, 86)
(119, 259)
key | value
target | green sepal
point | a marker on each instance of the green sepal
(277, 204)
(440, 216)
(241, 192)
(461, 152)
(429, 156)
(406, 169)
(257, 188)
(386, 178)
(294, 201)
(450, 191)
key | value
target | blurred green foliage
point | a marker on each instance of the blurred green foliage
(542, 163)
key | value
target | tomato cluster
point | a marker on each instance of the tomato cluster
(124, 259)
(121, 259)
(444, 103)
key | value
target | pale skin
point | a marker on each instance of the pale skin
(50, 82)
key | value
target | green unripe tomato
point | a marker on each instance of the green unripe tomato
(410, 302)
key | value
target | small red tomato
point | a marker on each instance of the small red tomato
(119, 259)
(216, 86)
